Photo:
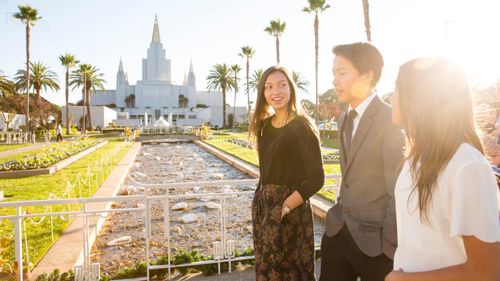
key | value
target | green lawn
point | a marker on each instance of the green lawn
(250, 156)
(5, 147)
(39, 188)
(245, 154)
(333, 143)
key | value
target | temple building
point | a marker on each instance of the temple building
(156, 96)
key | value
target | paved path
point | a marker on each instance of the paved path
(67, 250)
(329, 148)
(15, 151)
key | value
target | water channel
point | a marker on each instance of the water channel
(194, 223)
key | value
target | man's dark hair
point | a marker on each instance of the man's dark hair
(364, 57)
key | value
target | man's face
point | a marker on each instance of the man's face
(350, 86)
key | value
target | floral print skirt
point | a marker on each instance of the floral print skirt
(284, 248)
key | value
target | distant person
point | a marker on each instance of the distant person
(360, 237)
(59, 133)
(47, 136)
(447, 201)
(291, 171)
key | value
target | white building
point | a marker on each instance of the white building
(101, 116)
(17, 120)
(156, 95)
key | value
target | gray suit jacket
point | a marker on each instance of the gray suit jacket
(369, 173)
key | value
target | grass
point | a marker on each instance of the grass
(5, 147)
(332, 143)
(243, 153)
(39, 188)
(250, 156)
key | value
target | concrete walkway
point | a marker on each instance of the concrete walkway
(67, 250)
(15, 151)
(330, 149)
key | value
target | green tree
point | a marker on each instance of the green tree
(219, 78)
(300, 81)
(316, 7)
(28, 16)
(276, 29)
(87, 77)
(68, 61)
(41, 77)
(253, 83)
(366, 13)
(235, 69)
(247, 52)
(7, 86)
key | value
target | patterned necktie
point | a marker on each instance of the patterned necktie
(348, 128)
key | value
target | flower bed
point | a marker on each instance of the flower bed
(48, 156)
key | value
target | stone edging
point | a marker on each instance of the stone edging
(51, 169)
(319, 205)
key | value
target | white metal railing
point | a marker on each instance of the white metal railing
(223, 250)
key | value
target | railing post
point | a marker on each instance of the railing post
(18, 238)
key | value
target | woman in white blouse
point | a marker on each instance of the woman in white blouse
(447, 200)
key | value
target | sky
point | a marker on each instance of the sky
(207, 32)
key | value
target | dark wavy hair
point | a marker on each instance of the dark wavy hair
(263, 110)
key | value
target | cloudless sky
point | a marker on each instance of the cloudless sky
(213, 31)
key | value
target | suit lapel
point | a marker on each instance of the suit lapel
(363, 127)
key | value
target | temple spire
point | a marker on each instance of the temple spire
(120, 67)
(191, 67)
(156, 32)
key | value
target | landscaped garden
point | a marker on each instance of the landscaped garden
(46, 156)
(91, 171)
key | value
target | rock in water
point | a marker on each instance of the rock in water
(180, 206)
(189, 218)
(120, 241)
(212, 205)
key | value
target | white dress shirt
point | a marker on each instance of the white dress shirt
(360, 109)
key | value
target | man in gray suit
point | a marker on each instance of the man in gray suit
(360, 238)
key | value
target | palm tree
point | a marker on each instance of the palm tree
(219, 78)
(88, 77)
(7, 87)
(247, 52)
(28, 16)
(316, 6)
(276, 29)
(235, 69)
(68, 61)
(300, 81)
(253, 84)
(41, 76)
(366, 12)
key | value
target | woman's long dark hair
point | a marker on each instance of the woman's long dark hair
(263, 110)
(436, 112)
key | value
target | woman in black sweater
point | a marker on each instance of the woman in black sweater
(291, 171)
